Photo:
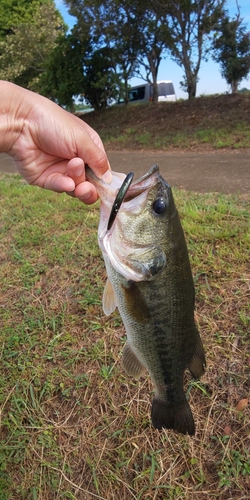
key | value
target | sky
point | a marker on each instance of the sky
(210, 80)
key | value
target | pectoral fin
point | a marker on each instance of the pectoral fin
(136, 305)
(131, 363)
(108, 299)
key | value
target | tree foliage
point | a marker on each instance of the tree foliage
(24, 50)
(131, 29)
(232, 50)
(101, 83)
(112, 41)
(14, 12)
(190, 24)
(144, 31)
(63, 76)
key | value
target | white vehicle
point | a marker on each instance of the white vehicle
(144, 93)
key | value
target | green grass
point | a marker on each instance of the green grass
(237, 137)
(73, 425)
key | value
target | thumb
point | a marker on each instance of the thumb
(93, 154)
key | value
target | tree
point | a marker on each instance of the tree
(130, 28)
(63, 76)
(190, 23)
(100, 79)
(232, 50)
(154, 40)
(75, 68)
(14, 12)
(23, 51)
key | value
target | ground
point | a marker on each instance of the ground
(225, 172)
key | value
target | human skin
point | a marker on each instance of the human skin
(48, 145)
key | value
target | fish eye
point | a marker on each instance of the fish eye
(159, 206)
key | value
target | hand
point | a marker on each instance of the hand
(50, 146)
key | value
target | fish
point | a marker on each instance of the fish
(149, 280)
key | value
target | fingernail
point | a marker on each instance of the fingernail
(85, 196)
(78, 170)
(107, 177)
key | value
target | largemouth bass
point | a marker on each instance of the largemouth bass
(150, 281)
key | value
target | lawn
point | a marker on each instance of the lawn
(73, 425)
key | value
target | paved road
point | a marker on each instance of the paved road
(202, 172)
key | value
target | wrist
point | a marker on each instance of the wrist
(11, 121)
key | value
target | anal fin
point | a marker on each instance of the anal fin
(198, 361)
(131, 363)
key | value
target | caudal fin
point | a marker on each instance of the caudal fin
(179, 418)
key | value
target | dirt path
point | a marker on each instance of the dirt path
(202, 172)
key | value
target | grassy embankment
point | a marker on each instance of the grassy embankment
(217, 122)
(73, 425)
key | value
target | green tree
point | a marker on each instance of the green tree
(24, 50)
(101, 82)
(130, 28)
(14, 12)
(63, 79)
(232, 50)
(75, 68)
(190, 24)
(154, 40)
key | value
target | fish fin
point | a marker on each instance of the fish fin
(131, 363)
(198, 361)
(136, 304)
(108, 299)
(179, 418)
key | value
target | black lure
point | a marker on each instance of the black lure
(119, 199)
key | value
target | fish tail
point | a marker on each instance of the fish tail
(198, 361)
(178, 417)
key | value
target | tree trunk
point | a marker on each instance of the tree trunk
(191, 85)
(126, 88)
(234, 86)
(154, 59)
(191, 90)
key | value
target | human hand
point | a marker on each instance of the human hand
(50, 146)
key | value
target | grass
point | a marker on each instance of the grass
(217, 122)
(73, 425)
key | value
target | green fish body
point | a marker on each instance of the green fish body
(150, 281)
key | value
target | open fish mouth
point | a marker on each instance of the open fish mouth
(122, 186)
(122, 191)
(144, 183)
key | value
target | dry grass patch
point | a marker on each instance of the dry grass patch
(73, 425)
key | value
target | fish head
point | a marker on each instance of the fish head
(137, 242)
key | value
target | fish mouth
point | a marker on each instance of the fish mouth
(143, 183)
(132, 190)
(122, 191)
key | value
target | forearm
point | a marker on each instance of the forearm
(11, 120)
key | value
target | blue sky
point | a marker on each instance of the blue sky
(210, 80)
